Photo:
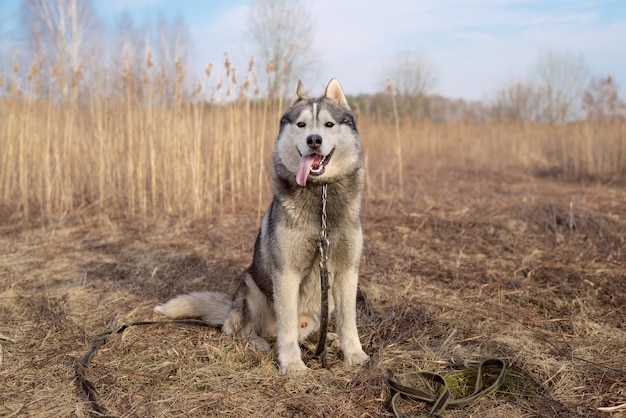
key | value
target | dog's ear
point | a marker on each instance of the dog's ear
(335, 93)
(300, 93)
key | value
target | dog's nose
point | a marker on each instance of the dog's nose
(314, 141)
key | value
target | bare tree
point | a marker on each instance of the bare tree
(562, 77)
(282, 32)
(132, 59)
(413, 77)
(517, 101)
(3, 36)
(412, 74)
(172, 52)
(131, 46)
(61, 35)
(602, 101)
(144, 54)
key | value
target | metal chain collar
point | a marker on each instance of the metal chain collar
(323, 245)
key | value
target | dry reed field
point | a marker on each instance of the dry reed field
(481, 240)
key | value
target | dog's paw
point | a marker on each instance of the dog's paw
(259, 344)
(333, 340)
(294, 368)
(358, 357)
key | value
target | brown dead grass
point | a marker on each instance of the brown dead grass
(469, 264)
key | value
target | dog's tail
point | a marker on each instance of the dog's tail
(212, 307)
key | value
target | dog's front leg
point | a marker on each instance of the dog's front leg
(344, 293)
(286, 289)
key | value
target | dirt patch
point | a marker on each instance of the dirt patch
(472, 265)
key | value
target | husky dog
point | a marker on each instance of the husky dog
(279, 294)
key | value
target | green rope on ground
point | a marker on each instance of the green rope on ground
(435, 389)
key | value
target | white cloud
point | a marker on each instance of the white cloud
(474, 45)
(118, 6)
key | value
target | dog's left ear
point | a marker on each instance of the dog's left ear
(335, 93)
(300, 93)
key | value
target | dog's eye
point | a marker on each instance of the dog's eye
(329, 124)
(301, 124)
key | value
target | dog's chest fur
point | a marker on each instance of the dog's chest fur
(295, 217)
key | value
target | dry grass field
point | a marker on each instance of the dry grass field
(493, 240)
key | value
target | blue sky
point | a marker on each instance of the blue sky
(473, 46)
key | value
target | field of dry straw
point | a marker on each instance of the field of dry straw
(481, 240)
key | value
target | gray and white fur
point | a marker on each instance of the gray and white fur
(279, 293)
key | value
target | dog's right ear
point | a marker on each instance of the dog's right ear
(300, 93)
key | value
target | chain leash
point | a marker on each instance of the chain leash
(323, 245)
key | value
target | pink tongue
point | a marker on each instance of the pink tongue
(304, 168)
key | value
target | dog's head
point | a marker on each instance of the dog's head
(318, 140)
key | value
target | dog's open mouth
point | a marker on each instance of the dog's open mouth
(312, 164)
